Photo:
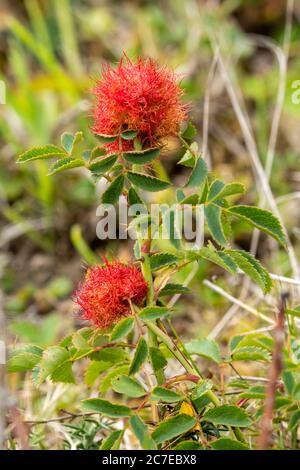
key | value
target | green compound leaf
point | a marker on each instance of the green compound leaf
(159, 260)
(198, 175)
(228, 415)
(190, 156)
(114, 191)
(106, 408)
(188, 160)
(165, 395)
(25, 358)
(122, 328)
(172, 288)
(201, 389)
(128, 386)
(157, 358)
(254, 393)
(173, 427)
(134, 198)
(56, 364)
(97, 152)
(207, 348)
(224, 443)
(153, 313)
(147, 182)
(224, 191)
(192, 199)
(180, 196)
(189, 132)
(261, 219)
(113, 441)
(171, 226)
(80, 338)
(103, 164)
(251, 353)
(65, 164)
(188, 445)
(253, 339)
(63, 373)
(252, 267)
(94, 370)
(41, 153)
(69, 140)
(115, 355)
(139, 357)
(106, 138)
(129, 134)
(142, 156)
(220, 258)
(214, 189)
(141, 432)
(295, 419)
(214, 221)
(105, 383)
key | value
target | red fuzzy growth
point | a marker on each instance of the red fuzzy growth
(138, 96)
(106, 291)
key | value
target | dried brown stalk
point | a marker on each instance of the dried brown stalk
(3, 388)
(19, 428)
(265, 438)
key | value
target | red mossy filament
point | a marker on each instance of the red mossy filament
(138, 96)
(105, 294)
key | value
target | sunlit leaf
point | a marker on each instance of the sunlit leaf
(106, 408)
(173, 427)
(261, 219)
(139, 357)
(228, 415)
(147, 182)
(41, 153)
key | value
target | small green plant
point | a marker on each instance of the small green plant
(130, 339)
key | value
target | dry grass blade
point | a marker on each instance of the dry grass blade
(237, 302)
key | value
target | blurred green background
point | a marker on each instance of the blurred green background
(51, 51)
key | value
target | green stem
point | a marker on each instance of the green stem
(155, 332)
(183, 346)
(181, 358)
(146, 270)
(147, 273)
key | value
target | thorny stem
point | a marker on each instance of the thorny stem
(146, 270)
(183, 346)
(181, 358)
(145, 246)
(156, 332)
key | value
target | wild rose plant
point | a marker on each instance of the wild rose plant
(129, 340)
